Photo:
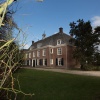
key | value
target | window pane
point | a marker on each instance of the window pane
(58, 41)
(59, 51)
(51, 50)
(44, 52)
(51, 61)
(38, 53)
(33, 54)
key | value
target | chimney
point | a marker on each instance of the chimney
(32, 42)
(60, 30)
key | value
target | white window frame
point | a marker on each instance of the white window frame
(38, 61)
(38, 53)
(44, 52)
(58, 41)
(51, 51)
(59, 51)
(33, 54)
(51, 61)
(29, 55)
(44, 62)
(59, 61)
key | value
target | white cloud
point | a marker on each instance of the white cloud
(95, 21)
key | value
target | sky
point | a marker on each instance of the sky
(35, 18)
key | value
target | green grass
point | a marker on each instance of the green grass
(57, 86)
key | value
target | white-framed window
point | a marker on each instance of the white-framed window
(33, 54)
(44, 52)
(51, 51)
(51, 61)
(44, 62)
(59, 61)
(38, 53)
(38, 62)
(29, 55)
(58, 41)
(59, 51)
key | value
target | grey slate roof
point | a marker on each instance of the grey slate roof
(52, 40)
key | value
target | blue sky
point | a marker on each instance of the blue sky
(36, 17)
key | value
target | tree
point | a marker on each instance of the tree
(6, 31)
(3, 7)
(84, 40)
(10, 55)
(97, 46)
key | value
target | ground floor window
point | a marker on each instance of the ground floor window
(59, 61)
(51, 61)
(38, 62)
(41, 62)
(44, 62)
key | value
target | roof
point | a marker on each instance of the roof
(52, 40)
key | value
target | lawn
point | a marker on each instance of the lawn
(48, 85)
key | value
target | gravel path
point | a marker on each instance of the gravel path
(78, 72)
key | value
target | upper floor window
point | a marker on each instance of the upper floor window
(44, 52)
(38, 53)
(51, 51)
(33, 54)
(58, 41)
(59, 51)
(29, 55)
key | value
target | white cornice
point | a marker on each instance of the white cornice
(50, 46)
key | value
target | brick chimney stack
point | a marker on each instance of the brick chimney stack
(32, 42)
(61, 30)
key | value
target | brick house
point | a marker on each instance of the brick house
(53, 51)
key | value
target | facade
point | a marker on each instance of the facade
(53, 51)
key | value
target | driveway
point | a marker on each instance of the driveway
(78, 72)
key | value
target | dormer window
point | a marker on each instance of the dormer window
(58, 41)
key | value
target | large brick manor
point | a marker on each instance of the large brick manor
(52, 51)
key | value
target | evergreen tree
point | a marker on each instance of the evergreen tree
(97, 46)
(84, 40)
